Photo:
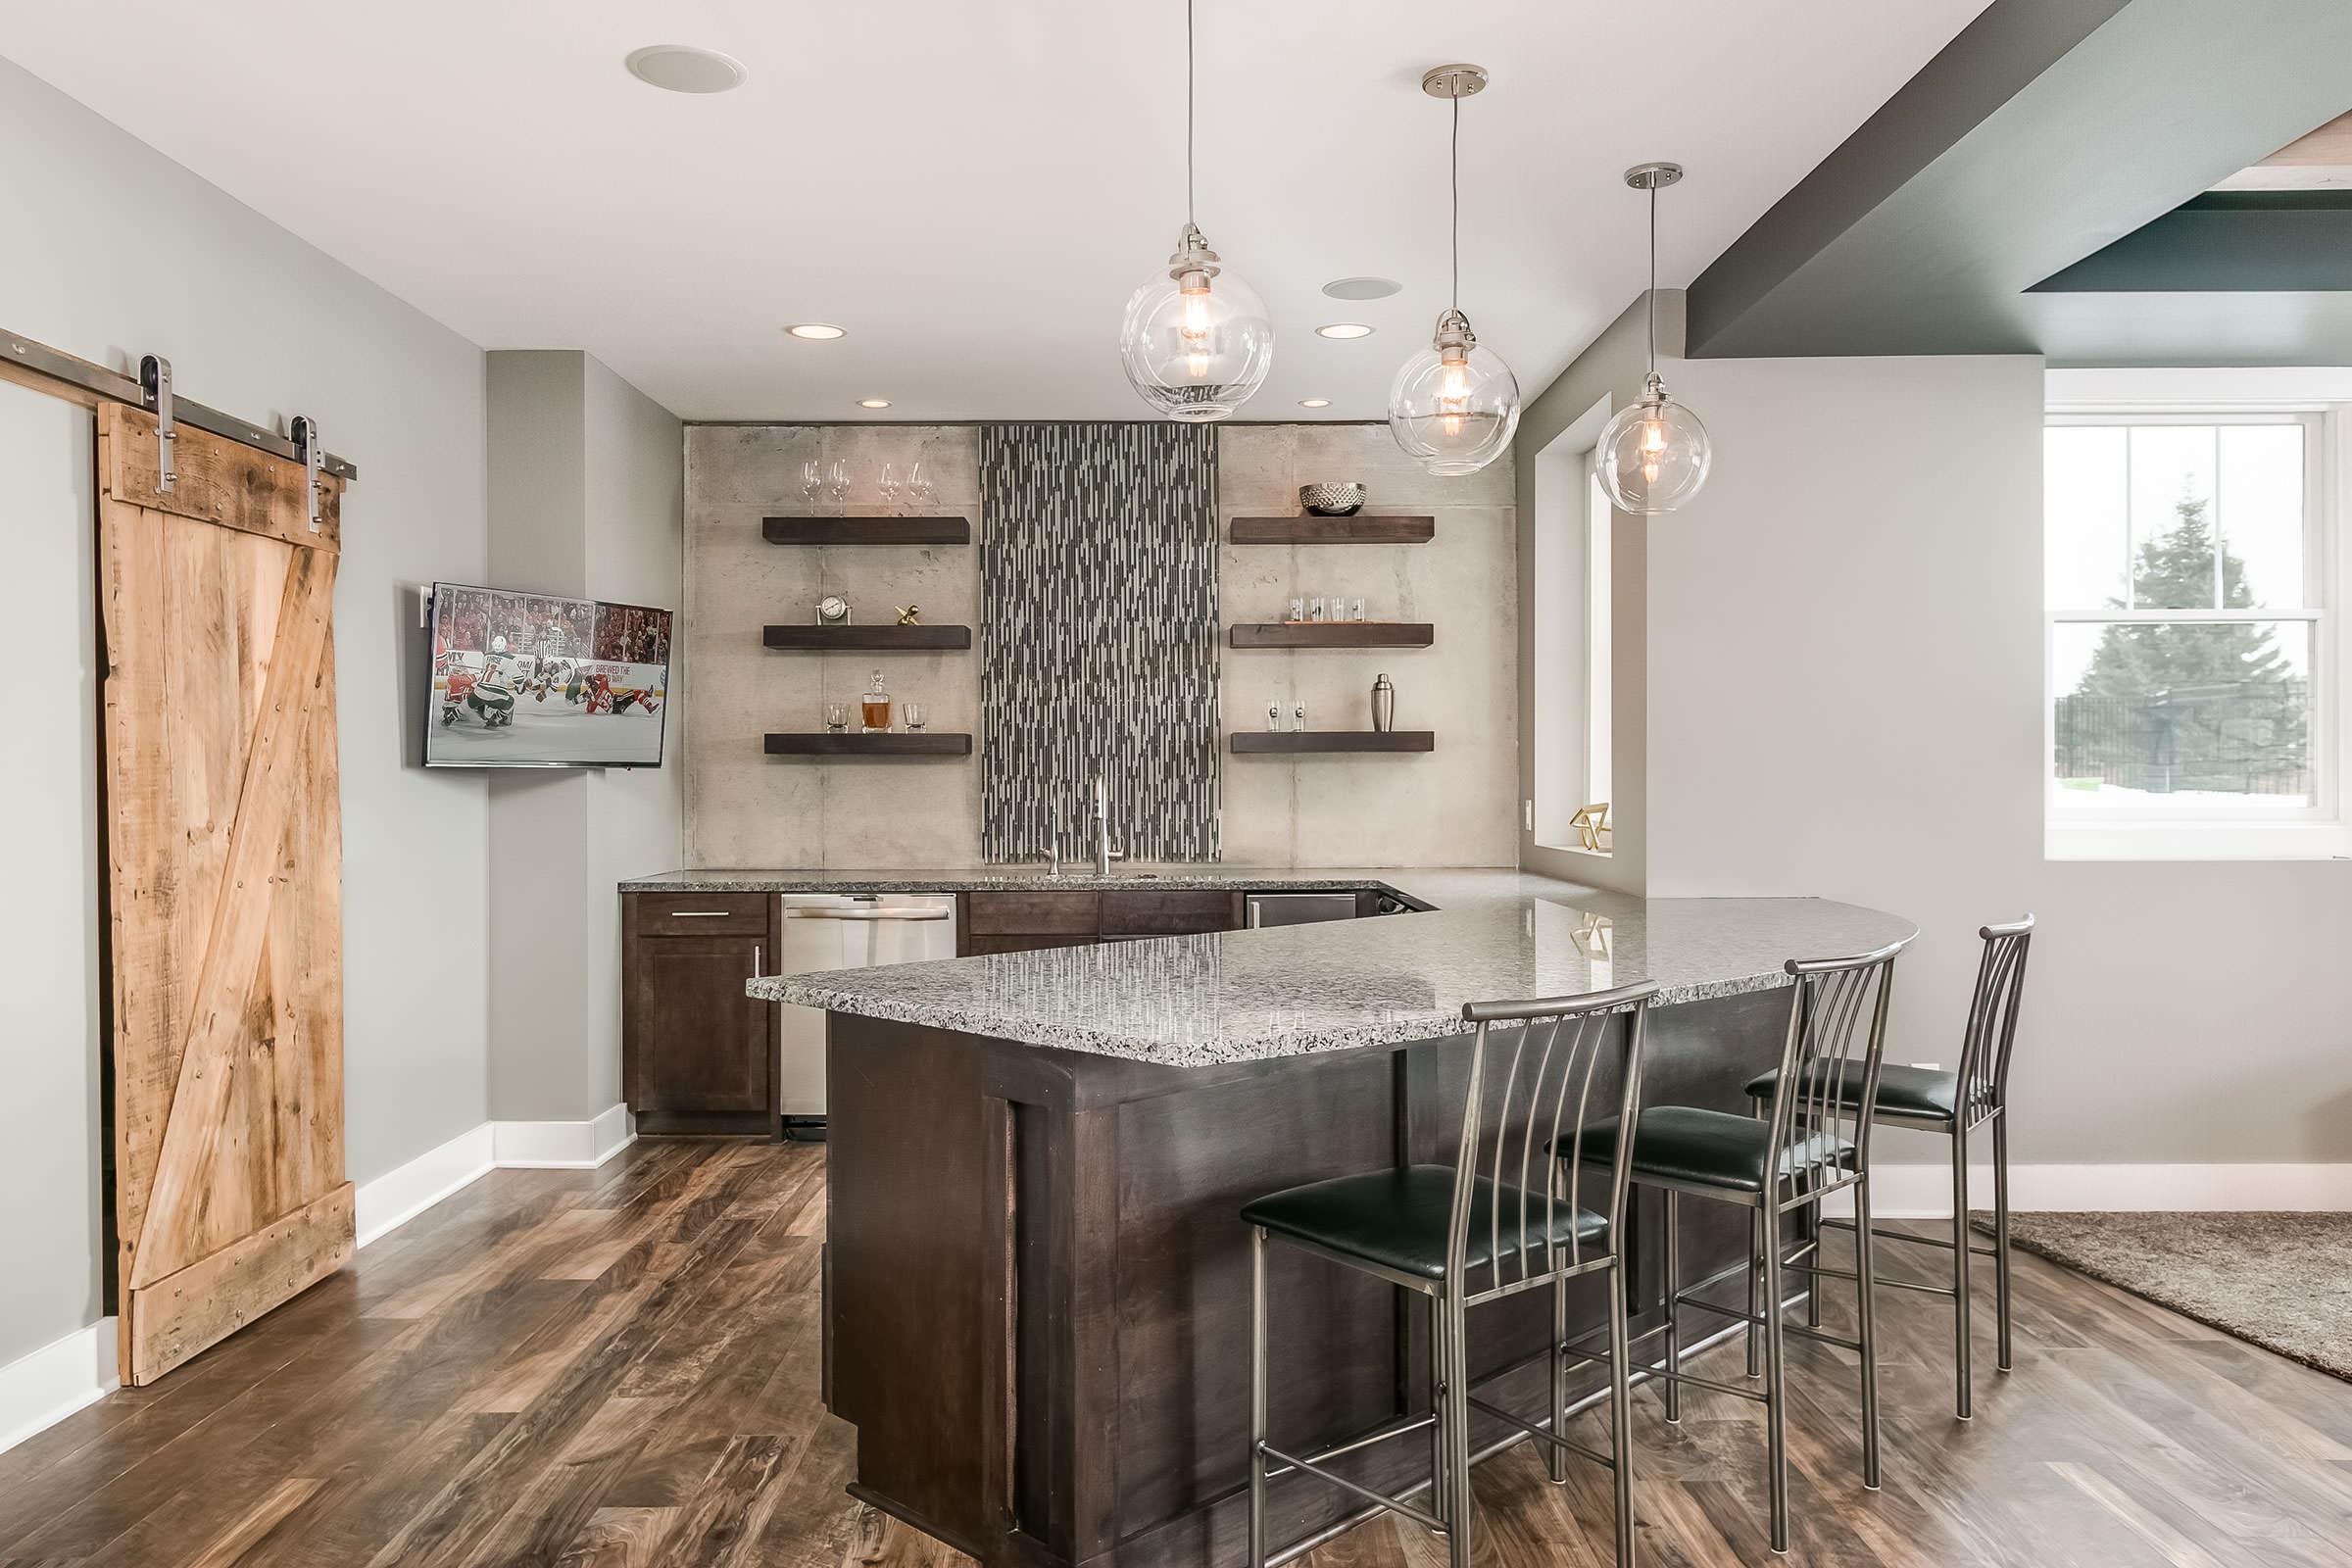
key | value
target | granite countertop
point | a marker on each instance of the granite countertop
(1240, 996)
(1080, 878)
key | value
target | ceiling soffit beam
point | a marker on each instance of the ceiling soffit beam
(2245, 242)
(2046, 131)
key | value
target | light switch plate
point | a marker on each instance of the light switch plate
(1527, 815)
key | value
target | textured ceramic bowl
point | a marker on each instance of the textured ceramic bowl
(1333, 500)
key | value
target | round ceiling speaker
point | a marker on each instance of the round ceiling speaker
(682, 67)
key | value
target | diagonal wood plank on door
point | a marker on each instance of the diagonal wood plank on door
(224, 981)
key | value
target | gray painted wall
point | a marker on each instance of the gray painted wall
(1453, 808)
(2178, 1012)
(257, 322)
(586, 490)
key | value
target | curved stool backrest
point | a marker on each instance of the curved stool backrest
(1544, 1072)
(1836, 1039)
(1993, 1017)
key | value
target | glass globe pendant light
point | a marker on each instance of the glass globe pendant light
(1455, 406)
(1196, 341)
(1653, 456)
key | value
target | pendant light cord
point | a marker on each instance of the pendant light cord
(1458, 196)
(1653, 275)
(1190, 216)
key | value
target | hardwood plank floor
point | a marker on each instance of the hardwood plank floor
(618, 1369)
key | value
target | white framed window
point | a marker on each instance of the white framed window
(1572, 710)
(2192, 682)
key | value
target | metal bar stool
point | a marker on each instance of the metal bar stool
(1956, 1105)
(1809, 1145)
(1464, 1235)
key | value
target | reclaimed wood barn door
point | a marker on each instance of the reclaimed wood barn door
(224, 885)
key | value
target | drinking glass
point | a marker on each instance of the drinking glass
(919, 488)
(1356, 610)
(837, 716)
(914, 717)
(811, 481)
(839, 480)
(890, 485)
(1298, 608)
(1315, 608)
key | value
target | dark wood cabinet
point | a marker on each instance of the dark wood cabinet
(1023, 921)
(697, 1056)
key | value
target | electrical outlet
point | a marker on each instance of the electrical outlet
(1528, 814)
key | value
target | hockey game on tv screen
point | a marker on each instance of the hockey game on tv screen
(531, 681)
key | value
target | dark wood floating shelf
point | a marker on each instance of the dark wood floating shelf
(1335, 634)
(881, 639)
(1249, 741)
(824, 743)
(1309, 529)
(867, 530)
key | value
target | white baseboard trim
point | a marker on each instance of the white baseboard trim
(1924, 1192)
(41, 1390)
(405, 1191)
(562, 1145)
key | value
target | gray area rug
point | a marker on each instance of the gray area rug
(2280, 1281)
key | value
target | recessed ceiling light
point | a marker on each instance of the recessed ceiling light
(816, 331)
(682, 67)
(1362, 288)
(1344, 329)
(874, 403)
(1314, 403)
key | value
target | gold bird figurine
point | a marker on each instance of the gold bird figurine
(911, 614)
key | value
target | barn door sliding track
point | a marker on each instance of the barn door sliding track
(33, 363)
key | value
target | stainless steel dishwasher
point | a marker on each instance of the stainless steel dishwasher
(845, 931)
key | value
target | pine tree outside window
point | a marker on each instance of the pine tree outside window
(2187, 643)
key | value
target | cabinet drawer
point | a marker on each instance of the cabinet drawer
(1169, 911)
(702, 914)
(995, 914)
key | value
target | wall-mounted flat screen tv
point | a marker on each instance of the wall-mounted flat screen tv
(531, 681)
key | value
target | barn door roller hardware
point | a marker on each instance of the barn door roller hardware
(306, 441)
(155, 386)
(49, 370)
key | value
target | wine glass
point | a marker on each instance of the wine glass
(839, 480)
(919, 488)
(811, 480)
(890, 486)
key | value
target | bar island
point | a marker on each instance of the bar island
(1037, 1287)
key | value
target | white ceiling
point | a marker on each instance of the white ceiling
(972, 187)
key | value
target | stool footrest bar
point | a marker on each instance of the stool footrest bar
(1344, 1485)
(1394, 1429)
(1542, 1434)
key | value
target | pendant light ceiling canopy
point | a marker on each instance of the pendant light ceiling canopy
(1197, 340)
(1652, 456)
(1454, 405)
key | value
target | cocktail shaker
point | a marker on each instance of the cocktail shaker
(1384, 705)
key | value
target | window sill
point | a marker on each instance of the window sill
(2196, 840)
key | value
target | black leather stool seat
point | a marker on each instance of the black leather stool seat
(1707, 1148)
(1919, 1093)
(1397, 1219)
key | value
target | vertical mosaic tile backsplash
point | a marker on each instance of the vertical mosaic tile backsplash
(1098, 607)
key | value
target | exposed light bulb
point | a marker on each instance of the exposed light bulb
(1195, 321)
(1653, 439)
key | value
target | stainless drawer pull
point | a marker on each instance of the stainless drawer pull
(699, 914)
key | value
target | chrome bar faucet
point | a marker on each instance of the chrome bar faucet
(1103, 853)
